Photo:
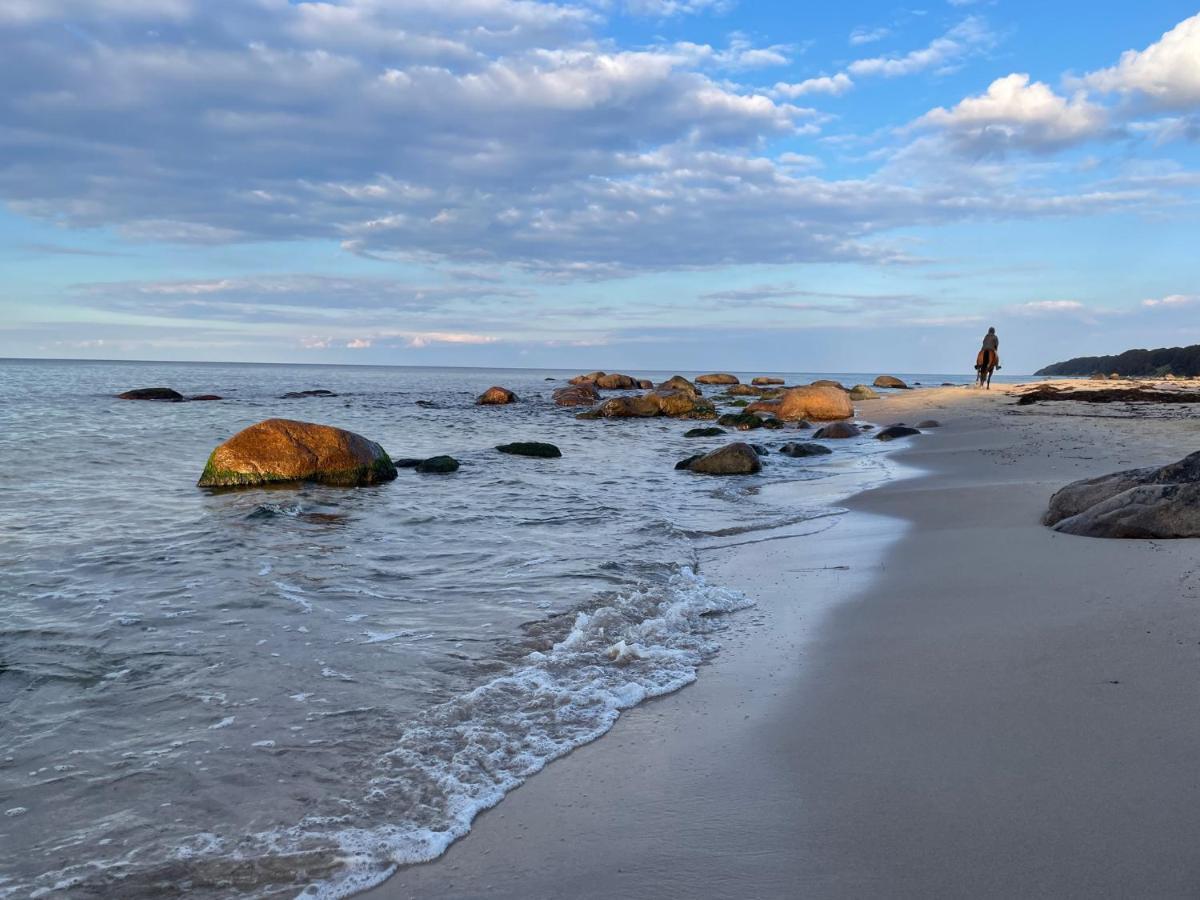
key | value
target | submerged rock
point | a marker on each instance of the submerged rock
(822, 403)
(531, 448)
(732, 459)
(496, 396)
(407, 462)
(206, 397)
(283, 450)
(1153, 502)
(643, 407)
(166, 395)
(704, 432)
(804, 449)
(318, 392)
(895, 431)
(718, 378)
(837, 431)
(438, 465)
(741, 421)
(890, 381)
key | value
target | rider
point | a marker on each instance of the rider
(990, 342)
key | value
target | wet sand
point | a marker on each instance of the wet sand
(935, 697)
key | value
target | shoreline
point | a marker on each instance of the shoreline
(964, 715)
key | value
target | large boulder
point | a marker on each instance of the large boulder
(679, 383)
(837, 431)
(590, 378)
(282, 450)
(531, 448)
(890, 381)
(862, 392)
(629, 407)
(616, 383)
(682, 405)
(732, 459)
(496, 396)
(718, 378)
(1152, 502)
(766, 379)
(158, 393)
(820, 403)
(584, 394)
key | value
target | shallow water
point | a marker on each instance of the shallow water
(271, 691)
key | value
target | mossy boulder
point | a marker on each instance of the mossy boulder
(531, 448)
(438, 465)
(282, 450)
(161, 394)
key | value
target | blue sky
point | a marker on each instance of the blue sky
(601, 183)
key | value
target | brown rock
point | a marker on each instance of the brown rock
(718, 378)
(744, 390)
(496, 396)
(682, 405)
(820, 403)
(889, 381)
(206, 397)
(616, 383)
(279, 450)
(629, 407)
(590, 378)
(583, 394)
(679, 383)
(645, 384)
(826, 382)
(733, 459)
(764, 379)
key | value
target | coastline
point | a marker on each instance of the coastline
(936, 696)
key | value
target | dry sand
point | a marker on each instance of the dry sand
(935, 697)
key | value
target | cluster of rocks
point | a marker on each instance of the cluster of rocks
(606, 381)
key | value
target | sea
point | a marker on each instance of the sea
(291, 691)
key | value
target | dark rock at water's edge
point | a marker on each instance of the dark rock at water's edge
(837, 430)
(206, 397)
(741, 421)
(799, 450)
(438, 465)
(890, 381)
(895, 431)
(1154, 502)
(166, 395)
(732, 459)
(760, 449)
(687, 463)
(1178, 361)
(407, 462)
(929, 423)
(496, 396)
(296, 395)
(531, 448)
(704, 432)
(283, 450)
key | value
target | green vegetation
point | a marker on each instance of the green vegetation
(1181, 361)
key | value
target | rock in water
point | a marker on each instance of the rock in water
(206, 397)
(718, 378)
(838, 430)
(828, 382)
(704, 432)
(496, 396)
(1137, 503)
(281, 450)
(766, 379)
(890, 381)
(732, 459)
(862, 392)
(895, 431)
(159, 393)
(805, 449)
(616, 383)
(531, 448)
(679, 383)
(822, 403)
(740, 421)
(296, 395)
(929, 423)
(582, 394)
(438, 465)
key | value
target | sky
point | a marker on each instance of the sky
(616, 184)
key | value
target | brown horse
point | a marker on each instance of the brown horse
(985, 364)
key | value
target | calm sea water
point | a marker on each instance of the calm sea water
(289, 691)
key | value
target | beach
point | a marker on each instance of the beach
(935, 695)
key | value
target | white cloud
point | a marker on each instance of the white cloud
(826, 84)
(1167, 73)
(968, 36)
(665, 9)
(1040, 307)
(1172, 301)
(1015, 113)
(863, 35)
(358, 344)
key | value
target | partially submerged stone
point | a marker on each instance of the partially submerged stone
(732, 459)
(929, 423)
(318, 392)
(741, 421)
(496, 396)
(895, 431)
(766, 379)
(438, 465)
(163, 394)
(531, 448)
(718, 378)
(679, 383)
(283, 450)
(704, 432)
(890, 381)
(800, 450)
(837, 431)
(583, 394)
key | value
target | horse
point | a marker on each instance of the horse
(985, 365)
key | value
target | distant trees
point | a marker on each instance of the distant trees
(1181, 361)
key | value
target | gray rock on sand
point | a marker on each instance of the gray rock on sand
(800, 450)
(895, 431)
(1153, 502)
(733, 459)
(837, 430)
(890, 381)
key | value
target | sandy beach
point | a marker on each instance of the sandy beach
(934, 696)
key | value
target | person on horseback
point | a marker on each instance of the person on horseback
(988, 358)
